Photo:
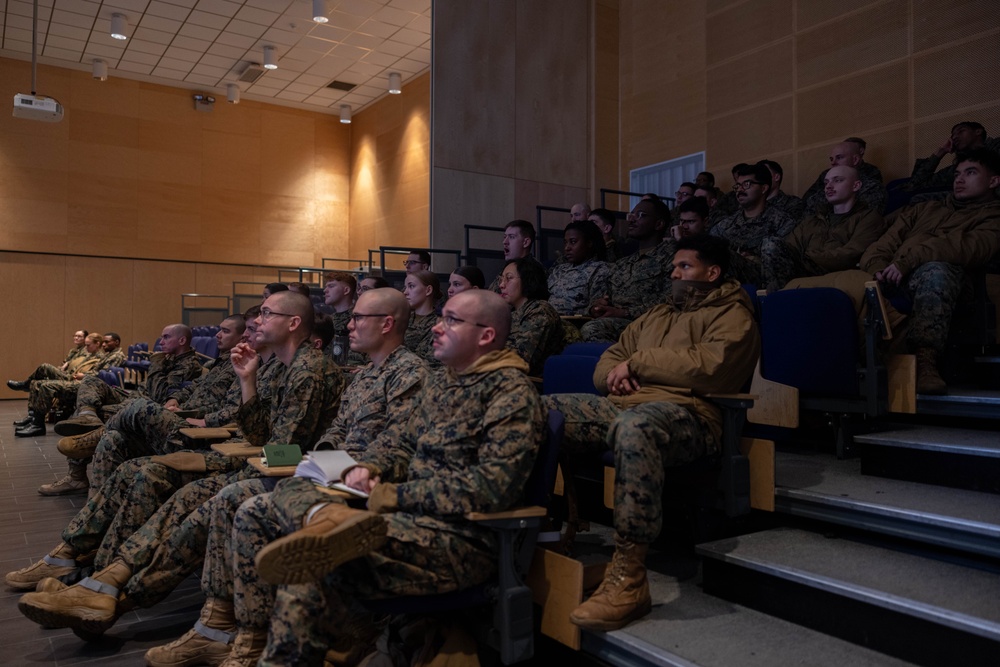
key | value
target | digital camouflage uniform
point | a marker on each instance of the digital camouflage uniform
(145, 428)
(710, 345)
(474, 437)
(419, 339)
(637, 283)
(572, 287)
(746, 238)
(167, 373)
(536, 333)
(43, 393)
(74, 352)
(924, 169)
(872, 193)
(340, 321)
(794, 207)
(823, 243)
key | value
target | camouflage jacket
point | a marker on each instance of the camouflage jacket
(925, 176)
(340, 321)
(74, 352)
(225, 412)
(793, 206)
(209, 391)
(86, 363)
(572, 287)
(873, 192)
(536, 333)
(419, 339)
(114, 359)
(746, 236)
(474, 437)
(305, 401)
(641, 280)
(167, 372)
(374, 411)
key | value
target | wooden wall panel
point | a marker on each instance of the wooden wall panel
(808, 13)
(938, 22)
(89, 282)
(751, 133)
(947, 78)
(158, 287)
(746, 26)
(749, 81)
(463, 197)
(607, 94)
(930, 134)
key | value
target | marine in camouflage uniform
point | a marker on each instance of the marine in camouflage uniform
(340, 321)
(475, 435)
(166, 375)
(746, 238)
(823, 243)
(873, 192)
(43, 393)
(572, 287)
(637, 283)
(536, 333)
(792, 206)
(419, 339)
(926, 174)
(145, 428)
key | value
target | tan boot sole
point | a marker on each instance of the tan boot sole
(86, 619)
(303, 556)
(607, 626)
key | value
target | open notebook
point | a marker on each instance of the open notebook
(326, 468)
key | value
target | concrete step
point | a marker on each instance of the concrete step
(820, 487)
(906, 604)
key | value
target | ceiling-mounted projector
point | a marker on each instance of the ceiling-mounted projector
(37, 107)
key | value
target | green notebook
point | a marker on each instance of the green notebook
(278, 456)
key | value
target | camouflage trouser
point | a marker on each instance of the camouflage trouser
(140, 428)
(416, 560)
(935, 287)
(604, 329)
(171, 544)
(781, 263)
(121, 506)
(94, 392)
(43, 394)
(645, 439)
(48, 372)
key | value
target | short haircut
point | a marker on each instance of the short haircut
(113, 335)
(605, 215)
(300, 306)
(301, 288)
(591, 235)
(94, 338)
(758, 171)
(713, 250)
(688, 184)
(739, 165)
(527, 229)
(380, 282)
(343, 277)
(85, 332)
(696, 205)
(972, 125)
(660, 210)
(323, 328)
(429, 278)
(984, 157)
(239, 322)
(859, 142)
(491, 310)
(423, 255)
(773, 166)
(182, 331)
(274, 288)
(473, 274)
(709, 176)
(251, 313)
(534, 282)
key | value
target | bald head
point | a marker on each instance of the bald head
(490, 309)
(840, 187)
(846, 153)
(579, 211)
(389, 301)
(295, 304)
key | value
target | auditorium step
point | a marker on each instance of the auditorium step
(960, 458)
(821, 487)
(961, 402)
(907, 604)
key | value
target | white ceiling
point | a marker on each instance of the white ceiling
(205, 44)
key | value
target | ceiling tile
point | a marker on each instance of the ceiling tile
(202, 79)
(71, 31)
(256, 15)
(138, 68)
(146, 47)
(170, 73)
(232, 39)
(349, 52)
(285, 37)
(394, 16)
(20, 8)
(83, 7)
(64, 43)
(409, 5)
(345, 21)
(301, 88)
(159, 23)
(380, 59)
(358, 7)
(420, 55)
(330, 66)
(72, 55)
(226, 51)
(216, 61)
(221, 7)
(317, 45)
(22, 22)
(191, 43)
(133, 56)
(136, 7)
(105, 50)
(411, 66)
(69, 18)
(167, 10)
(198, 32)
(148, 35)
(182, 54)
(378, 29)
(294, 97)
(334, 33)
(395, 48)
(175, 64)
(365, 70)
(217, 72)
(208, 20)
(407, 36)
(421, 24)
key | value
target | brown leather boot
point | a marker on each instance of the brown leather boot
(85, 422)
(623, 596)
(80, 446)
(59, 562)
(209, 642)
(247, 648)
(928, 379)
(334, 535)
(91, 605)
(74, 482)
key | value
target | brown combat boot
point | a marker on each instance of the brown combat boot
(623, 596)
(928, 379)
(74, 482)
(209, 642)
(247, 648)
(333, 535)
(59, 562)
(85, 422)
(91, 605)
(80, 446)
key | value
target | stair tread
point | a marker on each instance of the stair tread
(964, 395)
(824, 479)
(948, 593)
(936, 438)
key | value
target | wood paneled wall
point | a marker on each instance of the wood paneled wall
(786, 79)
(511, 111)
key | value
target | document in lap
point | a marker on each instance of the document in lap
(326, 468)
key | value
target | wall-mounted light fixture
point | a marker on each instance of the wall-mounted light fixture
(119, 26)
(395, 83)
(270, 60)
(232, 93)
(203, 102)
(99, 69)
(345, 113)
(319, 11)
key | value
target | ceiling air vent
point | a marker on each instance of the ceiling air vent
(341, 85)
(253, 72)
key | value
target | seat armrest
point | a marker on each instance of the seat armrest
(744, 401)
(519, 513)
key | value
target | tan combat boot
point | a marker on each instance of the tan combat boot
(91, 605)
(247, 648)
(209, 642)
(623, 596)
(80, 446)
(59, 562)
(74, 482)
(333, 535)
(85, 422)
(928, 379)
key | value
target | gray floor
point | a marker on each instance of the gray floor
(30, 525)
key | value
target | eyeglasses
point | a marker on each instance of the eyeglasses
(411, 262)
(682, 193)
(745, 185)
(357, 317)
(450, 321)
(687, 224)
(640, 215)
(266, 314)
